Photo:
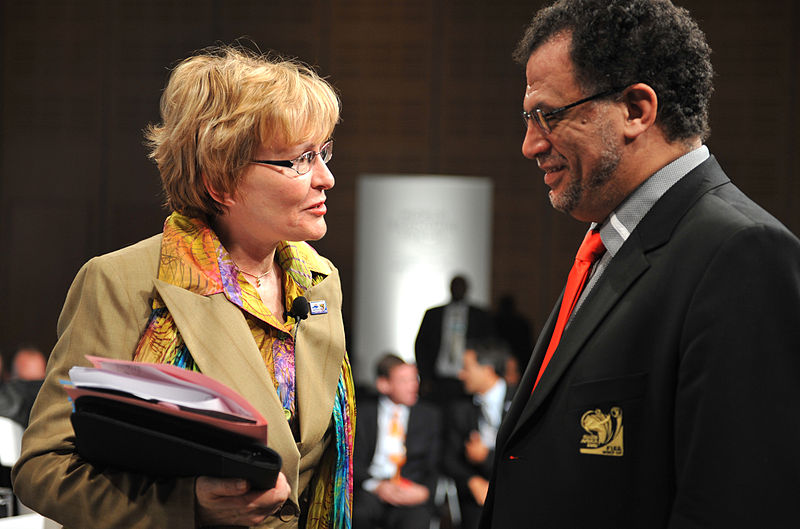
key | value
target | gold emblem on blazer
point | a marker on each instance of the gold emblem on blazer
(603, 435)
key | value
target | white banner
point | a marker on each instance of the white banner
(413, 234)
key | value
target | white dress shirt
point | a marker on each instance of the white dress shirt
(491, 404)
(454, 339)
(387, 445)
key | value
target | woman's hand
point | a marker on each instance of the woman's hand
(231, 502)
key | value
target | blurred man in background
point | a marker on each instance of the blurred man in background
(18, 394)
(441, 339)
(472, 425)
(397, 450)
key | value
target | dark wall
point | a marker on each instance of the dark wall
(427, 87)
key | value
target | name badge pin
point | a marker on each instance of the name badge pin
(318, 307)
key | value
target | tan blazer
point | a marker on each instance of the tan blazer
(104, 314)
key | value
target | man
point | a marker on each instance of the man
(472, 425)
(396, 452)
(664, 396)
(440, 342)
(514, 329)
(18, 394)
(28, 363)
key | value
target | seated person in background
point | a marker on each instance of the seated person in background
(472, 425)
(28, 363)
(18, 394)
(396, 452)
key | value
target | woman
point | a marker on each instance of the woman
(242, 154)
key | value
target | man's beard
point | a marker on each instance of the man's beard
(596, 181)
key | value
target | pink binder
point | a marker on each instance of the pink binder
(238, 415)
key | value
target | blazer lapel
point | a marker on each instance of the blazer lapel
(221, 343)
(318, 361)
(523, 391)
(628, 265)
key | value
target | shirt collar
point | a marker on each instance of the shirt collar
(495, 394)
(386, 405)
(193, 258)
(614, 231)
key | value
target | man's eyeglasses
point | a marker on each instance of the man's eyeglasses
(540, 117)
(302, 164)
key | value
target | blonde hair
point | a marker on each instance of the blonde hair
(220, 106)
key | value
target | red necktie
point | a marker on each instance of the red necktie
(590, 251)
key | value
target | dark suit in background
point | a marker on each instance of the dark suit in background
(515, 329)
(462, 419)
(429, 342)
(17, 398)
(423, 449)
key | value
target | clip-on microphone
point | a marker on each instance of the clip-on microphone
(299, 310)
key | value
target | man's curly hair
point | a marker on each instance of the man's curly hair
(616, 43)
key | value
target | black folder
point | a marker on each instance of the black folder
(121, 435)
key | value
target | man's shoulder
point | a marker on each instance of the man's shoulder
(705, 205)
(461, 404)
(480, 315)
(461, 413)
(728, 207)
(725, 215)
(425, 408)
(435, 310)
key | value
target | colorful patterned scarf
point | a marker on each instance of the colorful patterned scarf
(193, 258)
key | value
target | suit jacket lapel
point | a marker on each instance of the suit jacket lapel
(626, 267)
(653, 231)
(523, 391)
(318, 362)
(221, 343)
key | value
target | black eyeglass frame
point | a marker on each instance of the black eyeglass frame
(540, 118)
(328, 145)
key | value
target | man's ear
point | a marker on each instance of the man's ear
(641, 109)
(382, 385)
(223, 198)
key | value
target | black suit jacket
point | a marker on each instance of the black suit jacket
(688, 351)
(462, 419)
(429, 336)
(17, 398)
(423, 443)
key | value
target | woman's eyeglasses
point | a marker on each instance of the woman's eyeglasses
(302, 164)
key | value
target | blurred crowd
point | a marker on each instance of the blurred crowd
(426, 436)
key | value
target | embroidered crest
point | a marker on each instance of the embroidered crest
(604, 432)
